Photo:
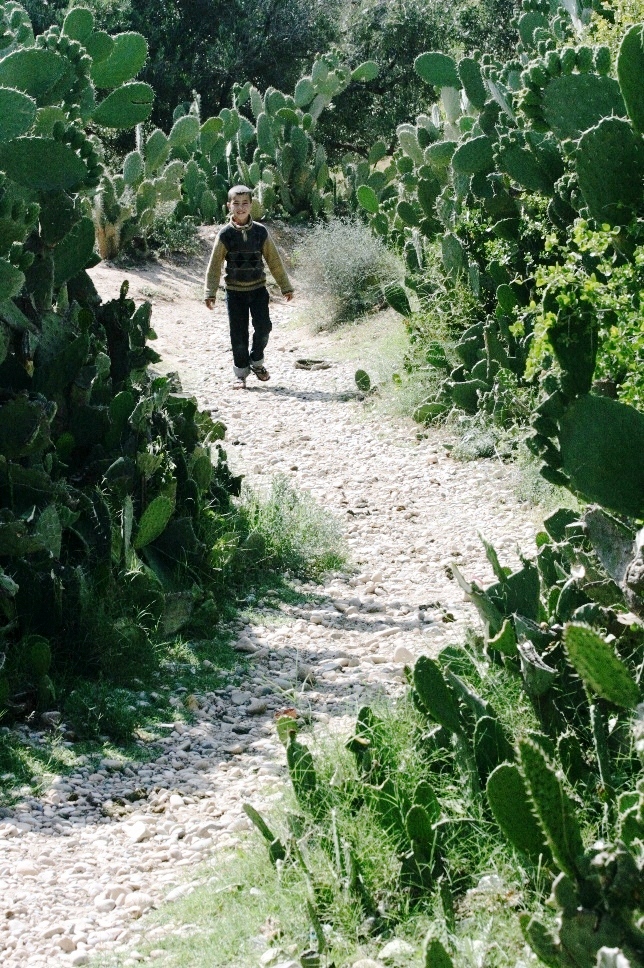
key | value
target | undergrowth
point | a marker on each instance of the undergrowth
(250, 905)
(138, 665)
(286, 531)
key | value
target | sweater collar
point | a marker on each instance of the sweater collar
(244, 229)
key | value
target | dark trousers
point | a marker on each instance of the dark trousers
(241, 305)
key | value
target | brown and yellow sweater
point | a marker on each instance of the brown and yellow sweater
(242, 248)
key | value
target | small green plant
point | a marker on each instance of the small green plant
(168, 235)
(287, 531)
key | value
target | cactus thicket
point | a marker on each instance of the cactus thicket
(87, 437)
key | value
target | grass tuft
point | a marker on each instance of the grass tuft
(287, 531)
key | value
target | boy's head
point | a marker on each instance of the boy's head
(239, 202)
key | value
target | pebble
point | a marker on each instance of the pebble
(98, 849)
(138, 831)
(396, 950)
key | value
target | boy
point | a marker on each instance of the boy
(242, 244)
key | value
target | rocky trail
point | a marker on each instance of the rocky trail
(81, 863)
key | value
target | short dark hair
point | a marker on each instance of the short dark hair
(239, 190)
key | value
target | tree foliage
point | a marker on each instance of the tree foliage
(393, 33)
(209, 45)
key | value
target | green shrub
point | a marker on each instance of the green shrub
(345, 268)
(169, 235)
(95, 709)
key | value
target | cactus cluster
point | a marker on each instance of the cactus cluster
(552, 123)
(104, 471)
(557, 627)
(265, 141)
(278, 155)
(126, 204)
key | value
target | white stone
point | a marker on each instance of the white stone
(182, 891)
(269, 957)
(104, 904)
(137, 899)
(396, 950)
(79, 958)
(67, 944)
(137, 832)
(403, 655)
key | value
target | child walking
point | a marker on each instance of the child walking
(244, 245)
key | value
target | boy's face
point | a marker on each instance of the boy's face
(239, 206)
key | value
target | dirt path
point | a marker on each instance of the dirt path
(74, 879)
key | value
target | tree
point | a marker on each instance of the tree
(393, 33)
(209, 45)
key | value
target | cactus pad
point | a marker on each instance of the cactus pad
(125, 107)
(301, 769)
(600, 669)
(436, 695)
(367, 199)
(17, 113)
(575, 102)
(491, 746)
(37, 655)
(556, 812)
(78, 24)
(630, 70)
(184, 131)
(595, 434)
(42, 163)
(397, 298)
(154, 521)
(73, 252)
(474, 156)
(437, 69)
(469, 72)
(508, 798)
(128, 55)
(363, 381)
(610, 168)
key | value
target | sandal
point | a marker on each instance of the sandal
(261, 373)
(240, 383)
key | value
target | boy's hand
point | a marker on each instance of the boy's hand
(210, 302)
(288, 296)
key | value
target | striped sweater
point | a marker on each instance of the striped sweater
(243, 249)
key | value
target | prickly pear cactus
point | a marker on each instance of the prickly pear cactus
(74, 384)
(601, 670)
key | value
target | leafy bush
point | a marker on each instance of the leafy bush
(589, 278)
(346, 269)
(168, 235)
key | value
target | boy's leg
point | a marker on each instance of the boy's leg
(262, 326)
(237, 305)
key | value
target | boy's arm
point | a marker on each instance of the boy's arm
(276, 266)
(213, 272)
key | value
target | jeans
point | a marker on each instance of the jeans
(240, 306)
